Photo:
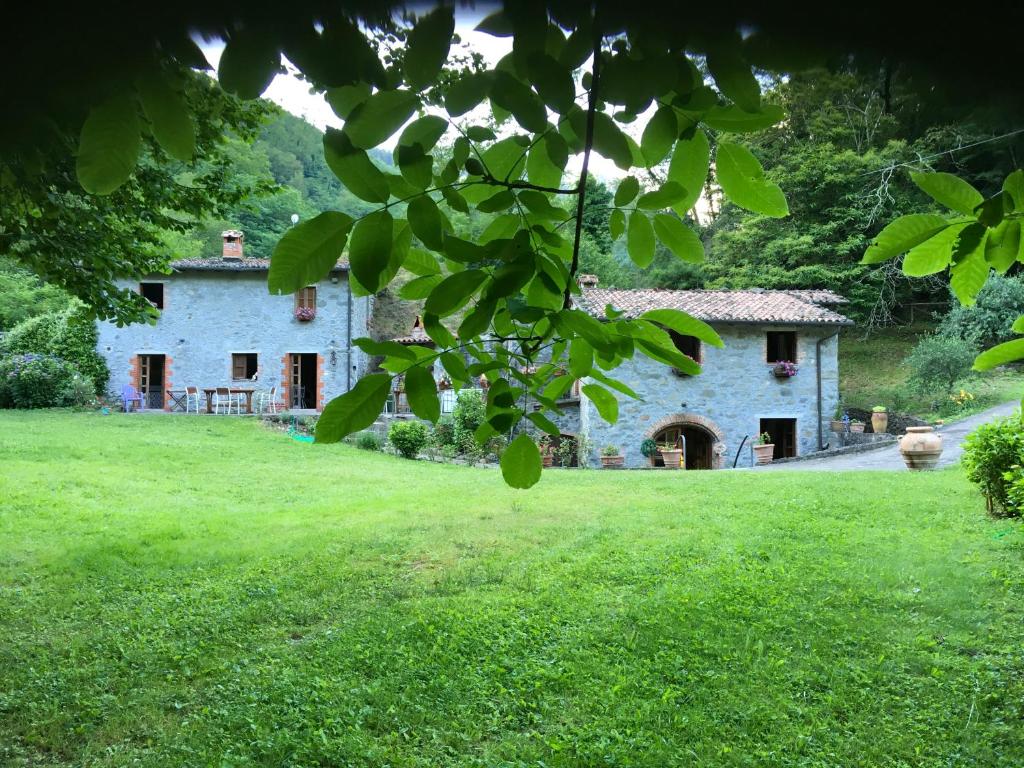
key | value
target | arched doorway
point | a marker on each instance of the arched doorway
(703, 439)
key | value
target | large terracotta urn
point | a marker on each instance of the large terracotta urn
(763, 453)
(879, 422)
(673, 457)
(921, 447)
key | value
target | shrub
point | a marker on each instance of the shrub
(69, 334)
(938, 362)
(368, 441)
(408, 437)
(994, 460)
(443, 433)
(468, 416)
(42, 381)
(987, 322)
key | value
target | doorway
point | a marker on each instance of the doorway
(151, 380)
(302, 385)
(697, 440)
(783, 435)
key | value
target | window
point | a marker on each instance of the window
(153, 293)
(243, 365)
(781, 346)
(306, 298)
(688, 345)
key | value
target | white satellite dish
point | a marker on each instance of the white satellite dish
(295, 218)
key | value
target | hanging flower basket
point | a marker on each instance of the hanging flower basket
(305, 314)
(785, 370)
(444, 384)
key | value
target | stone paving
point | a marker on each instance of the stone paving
(889, 458)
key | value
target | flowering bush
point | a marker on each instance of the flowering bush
(305, 314)
(961, 399)
(42, 381)
(785, 369)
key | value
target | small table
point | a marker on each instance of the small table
(247, 391)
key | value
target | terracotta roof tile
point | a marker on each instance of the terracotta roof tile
(743, 306)
(234, 265)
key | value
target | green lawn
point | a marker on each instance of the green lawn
(199, 591)
(871, 372)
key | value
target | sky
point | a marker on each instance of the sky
(293, 94)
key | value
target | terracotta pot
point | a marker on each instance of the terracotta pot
(879, 421)
(673, 458)
(653, 458)
(856, 427)
(546, 460)
(612, 461)
(763, 453)
(921, 447)
(838, 425)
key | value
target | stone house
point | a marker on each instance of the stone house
(219, 326)
(737, 396)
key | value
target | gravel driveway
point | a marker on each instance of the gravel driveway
(889, 457)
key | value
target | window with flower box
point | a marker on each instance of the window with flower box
(780, 346)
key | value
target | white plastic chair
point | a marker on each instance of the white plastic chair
(222, 397)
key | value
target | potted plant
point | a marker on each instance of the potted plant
(547, 456)
(784, 369)
(610, 457)
(764, 448)
(856, 426)
(838, 423)
(671, 455)
(649, 448)
(879, 419)
(304, 314)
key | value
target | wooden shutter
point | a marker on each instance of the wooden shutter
(238, 366)
(306, 297)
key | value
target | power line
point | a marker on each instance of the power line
(919, 160)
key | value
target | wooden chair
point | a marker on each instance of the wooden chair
(192, 398)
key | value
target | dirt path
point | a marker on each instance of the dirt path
(889, 457)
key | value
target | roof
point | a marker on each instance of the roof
(754, 305)
(233, 265)
(416, 336)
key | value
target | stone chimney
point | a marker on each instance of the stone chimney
(233, 239)
(588, 281)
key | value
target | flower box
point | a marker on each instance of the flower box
(784, 369)
(612, 461)
(304, 314)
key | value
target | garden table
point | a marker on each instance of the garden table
(247, 391)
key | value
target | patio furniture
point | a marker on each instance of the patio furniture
(178, 399)
(191, 399)
(246, 392)
(266, 400)
(298, 396)
(223, 398)
(129, 395)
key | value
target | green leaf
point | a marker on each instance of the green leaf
(742, 179)
(421, 263)
(669, 194)
(685, 324)
(248, 64)
(108, 147)
(640, 239)
(1007, 352)
(454, 200)
(420, 288)
(480, 133)
(520, 463)
(416, 166)
(610, 142)
(503, 159)
(385, 349)
(949, 190)
(525, 105)
(660, 133)
(970, 270)
(1013, 185)
(734, 77)
(379, 117)
(425, 220)
(934, 254)
(1018, 325)
(679, 238)
(627, 191)
(543, 423)
(308, 252)
(421, 389)
(346, 98)
(616, 224)
(540, 206)
(541, 169)
(691, 162)
(500, 201)
(1003, 246)
(423, 132)
(477, 320)
(553, 82)
(901, 235)
(466, 92)
(355, 410)
(427, 47)
(581, 357)
(732, 119)
(606, 403)
(454, 292)
(168, 115)
(369, 250)
(354, 168)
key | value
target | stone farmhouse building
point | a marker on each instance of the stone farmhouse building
(219, 326)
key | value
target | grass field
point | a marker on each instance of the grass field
(871, 372)
(199, 591)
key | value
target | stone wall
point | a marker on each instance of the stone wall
(735, 390)
(208, 315)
